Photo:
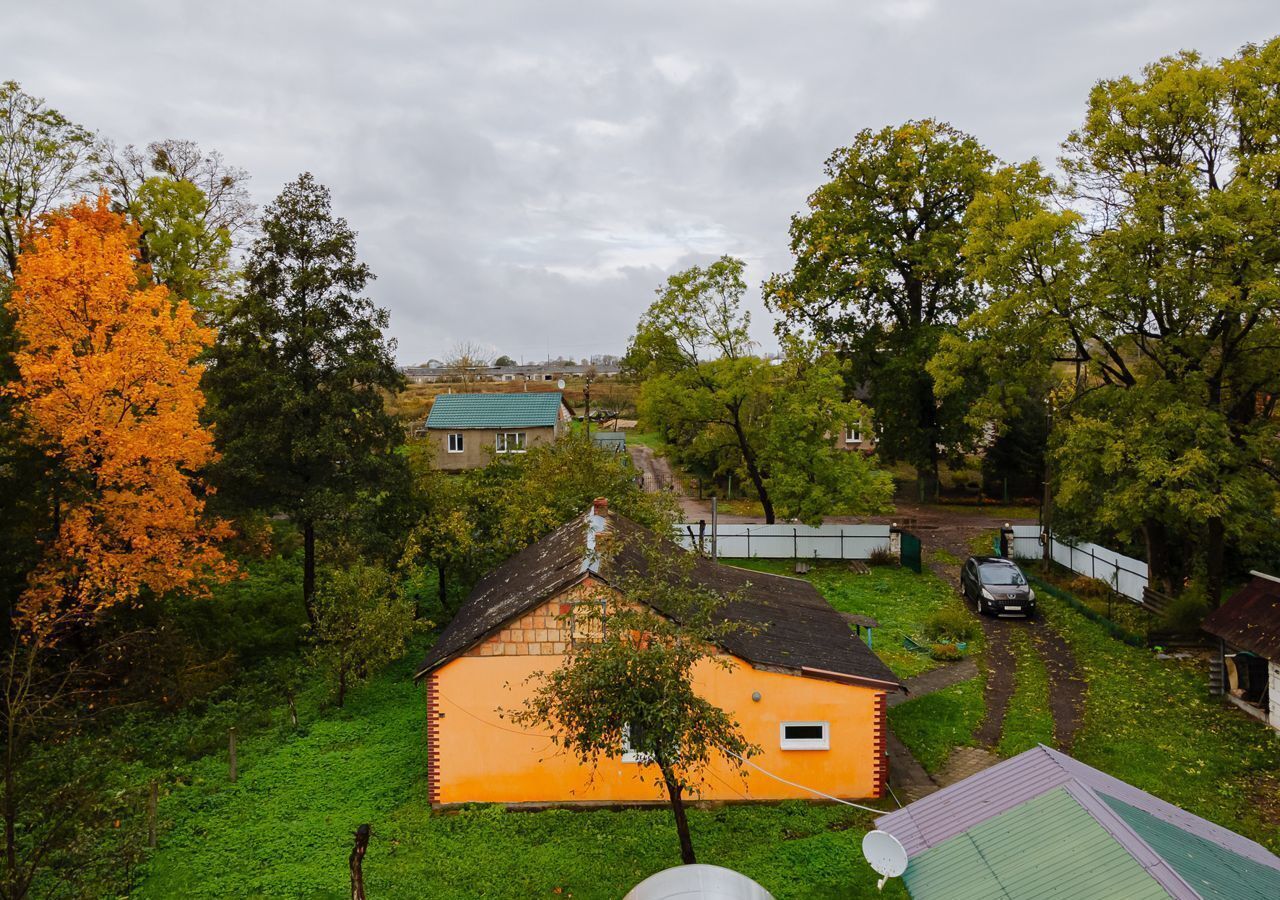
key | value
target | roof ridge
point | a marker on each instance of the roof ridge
(1155, 865)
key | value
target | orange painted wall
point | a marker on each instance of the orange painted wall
(478, 757)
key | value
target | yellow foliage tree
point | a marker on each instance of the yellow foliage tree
(109, 386)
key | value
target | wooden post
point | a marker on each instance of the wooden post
(356, 862)
(231, 753)
(153, 797)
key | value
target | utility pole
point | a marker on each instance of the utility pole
(589, 375)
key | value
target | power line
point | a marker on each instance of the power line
(802, 787)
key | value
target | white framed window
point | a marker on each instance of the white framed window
(805, 735)
(455, 442)
(853, 434)
(629, 755)
(509, 442)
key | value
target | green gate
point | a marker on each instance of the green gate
(910, 550)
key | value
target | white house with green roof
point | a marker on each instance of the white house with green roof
(468, 429)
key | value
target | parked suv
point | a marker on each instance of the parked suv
(997, 586)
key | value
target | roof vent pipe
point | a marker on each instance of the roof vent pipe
(600, 506)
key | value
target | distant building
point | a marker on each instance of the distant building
(467, 427)
(530, 372)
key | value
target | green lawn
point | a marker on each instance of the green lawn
(932, 725)
(1152, 723)
(650, 439)
(899, 599)
(1027, 720)
(284, 828)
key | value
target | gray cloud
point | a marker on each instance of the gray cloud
(525, 174)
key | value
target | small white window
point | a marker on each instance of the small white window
(629, 755)
(806, 735)
(853, 434)
(455, 443)
(509, 442)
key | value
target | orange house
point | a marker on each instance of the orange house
(801, 685)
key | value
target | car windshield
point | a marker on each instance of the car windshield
(1002, 575)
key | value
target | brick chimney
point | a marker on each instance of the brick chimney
(600, 506)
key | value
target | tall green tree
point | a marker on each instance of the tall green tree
(634, 688)
(1154, 267)
(298, 374)
(878, 276)
(193, 209)
(725, 410)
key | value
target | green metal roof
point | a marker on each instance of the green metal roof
(1049, 846)
(536, 410)
(1214, 872)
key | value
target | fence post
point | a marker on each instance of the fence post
(231, 754)
(842, 544)
(748, 542)
(795, 543)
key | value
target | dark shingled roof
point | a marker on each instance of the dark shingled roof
(799, 630)
(1250, 620)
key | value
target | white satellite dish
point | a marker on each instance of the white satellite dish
(885, 854)
(560, 384)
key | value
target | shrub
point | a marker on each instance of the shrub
(1186, 612)
(945, 652)
(362, 623)
(949, 625)
(1091, 588)
(882, 556)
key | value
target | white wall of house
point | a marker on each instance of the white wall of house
(1273, 691)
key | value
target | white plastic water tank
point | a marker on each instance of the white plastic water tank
(698, 882)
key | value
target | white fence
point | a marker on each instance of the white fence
(788, 541)
(1124, 573)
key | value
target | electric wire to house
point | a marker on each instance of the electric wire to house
(761, 769)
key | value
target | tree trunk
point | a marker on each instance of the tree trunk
(342, 685)
(1158, 561)
(753, 470)
(1213, 558)
(682, 821)
(309, 569)
(443, 589)
(356, 862)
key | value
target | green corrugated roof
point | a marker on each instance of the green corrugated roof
(536, 410)
(1047, 847)
(1213, 872)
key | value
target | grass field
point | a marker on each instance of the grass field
(1152, 723)
(1027, 720)
(932, 725)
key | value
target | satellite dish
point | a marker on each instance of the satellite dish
(885, 854)
(560, 384)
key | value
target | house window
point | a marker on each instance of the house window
(805, 735)
(853, 434)
(628, 754)
(455, 443)
(509, 442)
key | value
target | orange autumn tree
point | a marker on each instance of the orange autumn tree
(109, 386)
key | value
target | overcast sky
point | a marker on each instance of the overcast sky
(525, 174)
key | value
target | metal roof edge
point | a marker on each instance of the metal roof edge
(846, 678)
(1143, 853)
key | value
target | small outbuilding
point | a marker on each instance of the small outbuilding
(1247, 627)
(1042, 824)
